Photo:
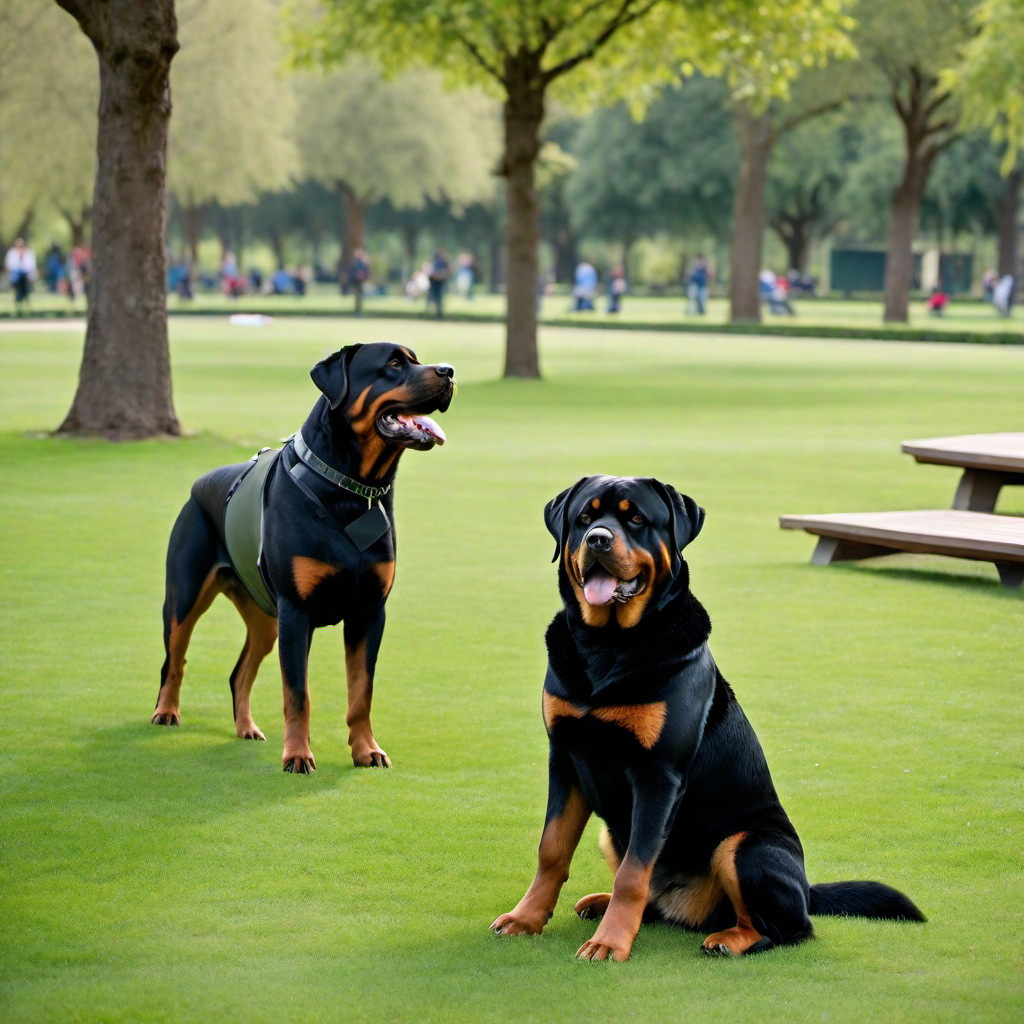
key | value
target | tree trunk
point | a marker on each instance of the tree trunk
(355, 217)
(795, 234)
(78, 223)
(1007, 258)
(748, 215)
(21, 231)
(524, 112)
(564, 244)
(410, 233)
(124, 386)
(193, 218)
(899, 259)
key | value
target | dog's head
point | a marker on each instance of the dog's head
(619, 544)
(385, 395)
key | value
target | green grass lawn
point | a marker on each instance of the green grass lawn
(151, 874)
(970, 315)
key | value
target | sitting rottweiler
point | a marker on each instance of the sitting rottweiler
(302, 537)
(645, 732)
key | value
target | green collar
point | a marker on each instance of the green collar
(328, 473)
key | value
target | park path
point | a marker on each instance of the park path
(56, 324)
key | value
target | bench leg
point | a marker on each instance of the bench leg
(1011, 574)
(978, 491)
(832, 549)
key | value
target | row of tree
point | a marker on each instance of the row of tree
(783, 65)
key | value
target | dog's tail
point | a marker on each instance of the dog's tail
(862, 899)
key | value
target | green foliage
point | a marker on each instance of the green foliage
(989, 74)
(673, 171)
(49, 90)
(406, 140)
(231, 129)
(180, 876)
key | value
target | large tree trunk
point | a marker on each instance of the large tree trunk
(756, 139)
(899, 259)
(524, 112)
(124, 386)
(1008, 230)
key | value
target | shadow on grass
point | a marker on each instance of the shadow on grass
(946, 578)
(203, 771)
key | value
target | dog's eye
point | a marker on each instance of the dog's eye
(396, 363)
(637, 520)
(584, 519)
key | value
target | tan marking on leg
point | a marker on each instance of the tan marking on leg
(261, 635)
(621, 922)
(168, 707)
(308, 574)
(385, 572)
(644, 721)
(611, 856)
(365, 751)
(557, 845)
(555, 708)
(297, 756)
(693, 903)
(738, 939)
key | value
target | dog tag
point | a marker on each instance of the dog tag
(370, 526)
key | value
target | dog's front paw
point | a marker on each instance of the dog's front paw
(370, 757)
(166, 717)
(598, 949)
(299, 764)
(610, 940)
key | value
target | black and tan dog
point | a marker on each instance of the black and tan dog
(306, 540)
(645, 732)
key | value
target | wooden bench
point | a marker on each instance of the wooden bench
(989, 462)
(980, 536)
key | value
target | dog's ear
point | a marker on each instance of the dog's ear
(330, 375)
(556, 515)
(686, 517)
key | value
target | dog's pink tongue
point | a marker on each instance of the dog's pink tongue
(600, 588)
(427, 425)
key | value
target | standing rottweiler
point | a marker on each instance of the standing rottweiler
(303, 537)
(645, 732)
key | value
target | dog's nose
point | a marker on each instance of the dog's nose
(444, 370)
(600, 540)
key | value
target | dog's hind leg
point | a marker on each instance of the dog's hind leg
(193, 581)
(261, 635)
(362, 643)
(763, 877)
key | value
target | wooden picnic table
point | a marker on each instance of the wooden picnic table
(989, 462)
(980, 536)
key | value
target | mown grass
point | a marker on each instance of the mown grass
(178, 875)
(964, 316)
